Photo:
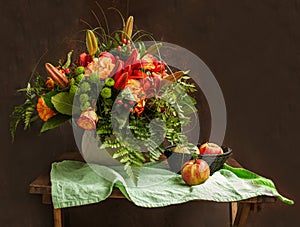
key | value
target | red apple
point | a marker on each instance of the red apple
(210, 148)
(195, 172)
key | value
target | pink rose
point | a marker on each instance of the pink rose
(88, 120)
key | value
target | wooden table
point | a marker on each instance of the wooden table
(238, 211)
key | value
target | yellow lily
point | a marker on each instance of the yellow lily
(127, 31)
(91, 42)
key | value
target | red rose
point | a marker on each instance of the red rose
(84, 59)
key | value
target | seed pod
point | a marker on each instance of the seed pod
(68, 62)
(58, 77)
(127, 31)
(91, 42)
(174, 76)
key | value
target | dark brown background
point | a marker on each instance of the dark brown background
(252, 47)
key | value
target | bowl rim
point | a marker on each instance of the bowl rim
(227, 152)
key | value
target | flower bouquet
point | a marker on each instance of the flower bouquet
(119, 89)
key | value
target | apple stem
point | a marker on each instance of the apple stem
(195, 156)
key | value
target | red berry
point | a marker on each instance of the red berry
(119, 47)
(131, 110)
(128, 42)
(119, 102)
(124, 41)
(125, 105)
(129, 47)
(131, 102)
(67, 70)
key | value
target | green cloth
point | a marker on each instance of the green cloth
(76, 183)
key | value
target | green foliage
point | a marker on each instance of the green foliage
(47, 98)
(132, 160)
(63, 103)
(54, 122)
(24, 113)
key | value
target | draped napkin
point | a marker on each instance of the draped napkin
(77, 183)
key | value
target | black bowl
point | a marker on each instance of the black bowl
(215, 161)
(176, 160)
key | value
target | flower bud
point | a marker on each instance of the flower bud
(109, 82)
(127, 31)
(83, 98)
(85, 87)
(73, 89)
(85, 106)
(106, 92)
(94, 78)
(79, 78)
(91, 42)
(79, 70)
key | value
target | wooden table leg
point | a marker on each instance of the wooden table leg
(233, 207)
(57, 217)
(243, 210)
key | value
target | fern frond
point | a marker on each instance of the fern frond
(17, 116)
(28, 115)
(120, 152)
(13, 127)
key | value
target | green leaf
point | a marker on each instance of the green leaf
(54, 122)
(63, 103)
(117, 37)
(47, 98)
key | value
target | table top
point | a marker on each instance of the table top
(42, 185)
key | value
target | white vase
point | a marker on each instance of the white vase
(93, 154)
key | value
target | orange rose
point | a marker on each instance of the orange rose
(102, 66)
(136, 89)
(43, 110)
(50, 83)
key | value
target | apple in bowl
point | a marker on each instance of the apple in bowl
(210, 148)
(214, 155)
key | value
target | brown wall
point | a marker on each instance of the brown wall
(253, 49)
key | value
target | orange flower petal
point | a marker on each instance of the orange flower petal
(43, 110)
